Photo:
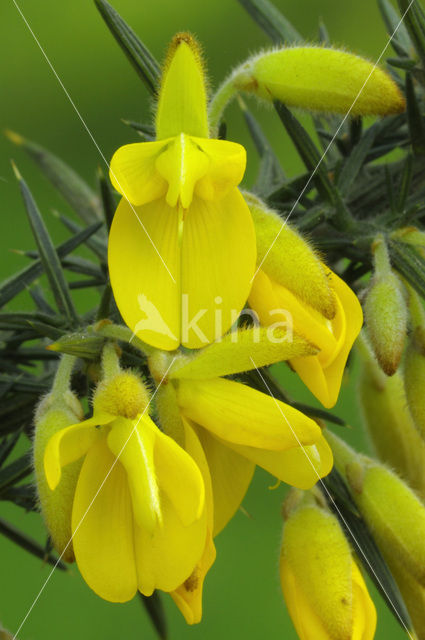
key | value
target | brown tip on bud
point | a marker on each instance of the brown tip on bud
(102, 323)
(355, 473)
(53, 347)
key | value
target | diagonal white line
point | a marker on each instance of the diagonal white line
(332, 140)
(325, 489)
(90, 133)
(90, 505)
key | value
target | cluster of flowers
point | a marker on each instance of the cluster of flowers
(137, 492)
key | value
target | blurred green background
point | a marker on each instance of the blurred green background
(242, 596)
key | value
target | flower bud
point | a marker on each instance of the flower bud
(393, 512)
(322, 79)
(386, 311)
(414, 379)
(390, 425)
(122, 395)
(386, 320)
(324, 590)
(53, 415)
(413, 595)
(289, 260)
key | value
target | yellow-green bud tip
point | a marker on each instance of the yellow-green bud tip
(14, 137)
(123, 395)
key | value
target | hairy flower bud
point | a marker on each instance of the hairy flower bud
(320, 78)
(322, 585)
(414, 379)
(56, 506)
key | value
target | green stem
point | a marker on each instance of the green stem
(381, 256)
(224, 94)
(110, 361)
(63, 374)
(123, 334)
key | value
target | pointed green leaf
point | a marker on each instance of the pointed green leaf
(10, 287)
(356, 161)
(83, 345)
(364, 544)
(415, 118)
(146, 131)
(415, 24)
(109, 203)
(37, 294)
(15, 471)
(308, 152)
(140, 57)
(410, 263)
(29, 544)
(270, 174)
(23, 496)
(401, 42)
(406, 181)
(155, 610)
(48, 255)
(7, 446)
(70, 185)
(97, 243)
(273, 23)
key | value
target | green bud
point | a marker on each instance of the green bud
(386, 311)
(320, 78)
(414, 379)
(386, 320)
(413, 595)
(389, 423)
(52, 415)
(393, 512)
(280, 248)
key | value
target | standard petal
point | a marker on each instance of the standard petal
(70, 444)
(179, 477)
(133, 443)
(102, 524)
(236, 413)
(133, 172)
(231, 475)
(218, 260)
(144, 266)
(166, 558)
(300, 467)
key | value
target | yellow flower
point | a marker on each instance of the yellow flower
(182, 243)
(139, 519)
(238, 426)
(323, 588)
(293, 287)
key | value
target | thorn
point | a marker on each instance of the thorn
(14, 137)
(53, 347)
(16, 171)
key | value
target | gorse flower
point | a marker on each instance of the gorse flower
(139, 518)
(182, 243)
(292, 285)
(324, 590)
(228, 415)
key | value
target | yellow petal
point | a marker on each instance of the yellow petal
(168, 556)
(364, 612)
(306, 622)
(182, 104)
(182, 164)
(216, 277)
(231, 475)
(133, 172)
(179, 477)
(239, 414)
(210, 168)
(300, 467)
(227, 162)
(324, 379)
(102, 524)
(188, 596)
(144, 267)
(70, 444)
(133, 443)
(238, 351)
